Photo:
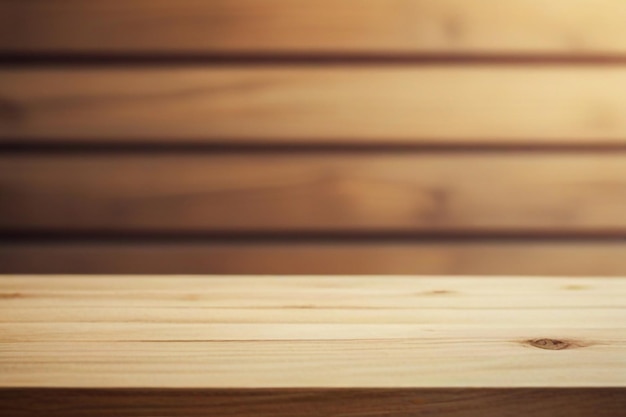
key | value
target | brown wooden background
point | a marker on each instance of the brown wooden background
(326, 136)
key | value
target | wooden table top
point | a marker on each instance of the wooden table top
(314, 340)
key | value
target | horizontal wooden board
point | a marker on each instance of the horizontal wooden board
(322, 193)
(544, 402)
(592, 258)
(324, 26)
(36, 333)
(296, 105)
(295, 346)
(277, 351)
(373, 292)
(81, 317)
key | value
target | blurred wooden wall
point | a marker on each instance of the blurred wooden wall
(318, 136)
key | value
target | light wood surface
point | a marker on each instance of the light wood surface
(365, 256)
(576, 27)
(403, 193)
(312, 332)
(328, 105)
(305, 345)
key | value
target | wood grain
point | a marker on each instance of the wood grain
(397, 193)
(315, 105)
(576, 27)
(448, 257)
(301, 346)
(557, 322)
(545, 402)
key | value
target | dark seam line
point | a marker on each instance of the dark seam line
(160, 146)
(9, 58)
(309, 237)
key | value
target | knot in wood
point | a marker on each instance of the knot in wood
(550, 344)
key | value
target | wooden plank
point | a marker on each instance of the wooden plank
(531, 257)
(545, 402)
(328, 105)
(240, 345)
(251, 364)
(311, 292)
(325, 26)
(181, 349)
(321, 193)
(81, 317)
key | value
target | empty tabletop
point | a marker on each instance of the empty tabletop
(312, 346)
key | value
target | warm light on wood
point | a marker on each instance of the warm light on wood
(301, 105)
(568, 27)
(402, 193)
(534, 257)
